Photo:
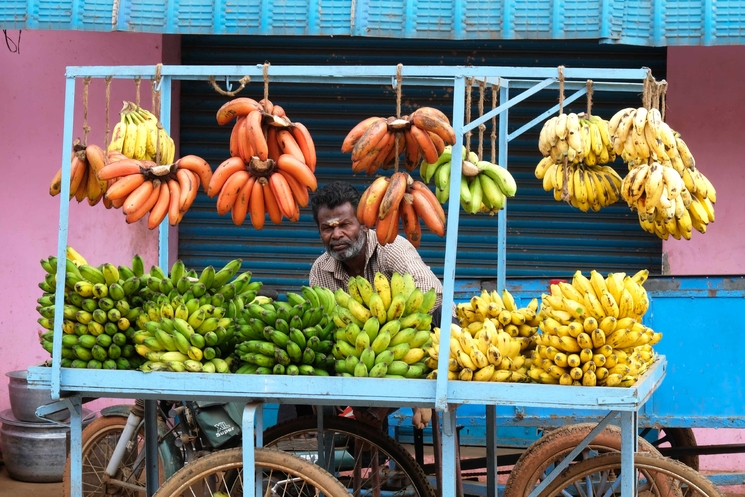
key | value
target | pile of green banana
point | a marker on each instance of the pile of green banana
(292, 337)
(484, 186)
(125, 318)
(383, 329)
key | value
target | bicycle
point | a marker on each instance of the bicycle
(364, 458)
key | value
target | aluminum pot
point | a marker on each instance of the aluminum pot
(35, 452)
(25, 400)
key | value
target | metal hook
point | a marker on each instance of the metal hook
(394, 82)
(158, 82)
(228, 85)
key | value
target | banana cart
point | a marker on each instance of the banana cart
(515, 84)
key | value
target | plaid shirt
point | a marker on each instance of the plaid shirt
(399, 256)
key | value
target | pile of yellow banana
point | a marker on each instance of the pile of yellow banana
(670, 195)
(586, 180)
(591, 332)
(489, 344)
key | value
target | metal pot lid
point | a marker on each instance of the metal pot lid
(6, 417)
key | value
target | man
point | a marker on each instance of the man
(353, 250)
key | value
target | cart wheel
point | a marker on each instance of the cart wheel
(538, 460)
(678, 437)
(656, 476)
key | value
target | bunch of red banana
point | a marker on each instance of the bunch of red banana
(140, 187)
(84, 166)
(271, 166)
(377, 141)
(263, 130)
(388, 199)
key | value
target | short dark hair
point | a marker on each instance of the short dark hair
(333, 195)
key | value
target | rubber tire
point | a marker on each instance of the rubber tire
(265, 458)
(662, 467)
(682, 437)
(402, 458)
(553, 447)
(100, 429)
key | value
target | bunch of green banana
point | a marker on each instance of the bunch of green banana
(118, 315)
(591, 332)
(383, 327)
(484, 186)
(490, 354)
(577, 137)
(139, 135)
(292, 337)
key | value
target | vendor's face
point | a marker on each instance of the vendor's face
(342, 234)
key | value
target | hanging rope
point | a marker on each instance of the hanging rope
(494, 101)
(589, 97)
(649, 84)
(108, 100)
(399, 82)
(482, 126)
(561, 89)
(266, 81)
(663, 94)
(138, 80)
(243, 82)
(469, 84)
(86, 128)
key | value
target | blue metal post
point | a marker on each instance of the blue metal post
(451, 245)
(504, 96)
(629, 446)
(165, 120)
(252, 426)
(64, 213)
(448, 452)
(74, 404)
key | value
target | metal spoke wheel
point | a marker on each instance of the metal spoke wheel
(541, 457)
(220, 474)
(656, 476)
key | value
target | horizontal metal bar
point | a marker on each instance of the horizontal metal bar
(354, 72)
(506, 105)
(522, 129)
(576, 85)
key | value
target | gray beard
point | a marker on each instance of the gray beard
(352, 251)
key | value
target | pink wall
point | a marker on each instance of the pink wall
(31, 124)
(704, 103)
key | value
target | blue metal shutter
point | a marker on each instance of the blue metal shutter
(545, 238)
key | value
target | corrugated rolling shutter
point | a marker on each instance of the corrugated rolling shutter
(545, 238)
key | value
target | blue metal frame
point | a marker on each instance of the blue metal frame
(441, 394)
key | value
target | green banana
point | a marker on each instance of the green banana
(492, 195)
(501, 177)
(442, 176)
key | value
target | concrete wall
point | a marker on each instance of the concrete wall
(704, 103)
(31, 124)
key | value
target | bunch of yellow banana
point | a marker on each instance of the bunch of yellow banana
(586, 187)
(139, 135)
(591, 332)
(490, 354)
(668, 203)
(578, 137)
(384, 327)
(502, 312)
